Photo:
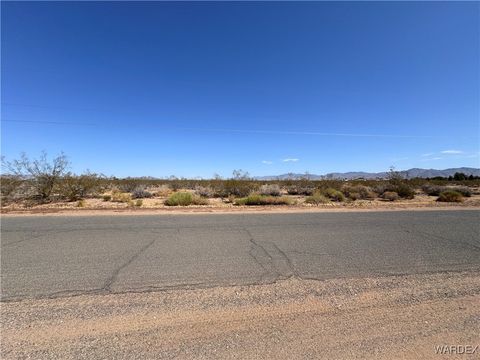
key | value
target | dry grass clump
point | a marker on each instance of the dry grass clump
(185, 199)
(258, 199)
(450, 196)
(162, 191)
(121, 197)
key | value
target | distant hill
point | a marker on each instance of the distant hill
(410, 173)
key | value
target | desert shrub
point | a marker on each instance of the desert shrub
(450, 196)
(174, 183)
(140, 193)
(236, 187)
(464, 190)
(404, 191)
(139, 203)
(433, 190)
(299, 190)
(41, 175)
(270, 189)
(354, 196)
(11, 187)
(317, 198)
(185, 199)
(107, 197)
(81, 203)
(390, 196)
(118, 196)
(128, 185)
(204, 191)
(162, 191)
(356, 192)
(381, 188)
(334, 195)
(396, 183)
(257, 199)
(74, 187)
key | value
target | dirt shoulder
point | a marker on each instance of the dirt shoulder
(156, 207)
(383, 318)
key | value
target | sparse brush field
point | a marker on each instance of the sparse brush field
(95, 192)
(43, 185)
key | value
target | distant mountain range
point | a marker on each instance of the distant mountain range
(408, 174)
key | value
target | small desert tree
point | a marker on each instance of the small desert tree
(42, 174)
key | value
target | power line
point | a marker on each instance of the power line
(48, 122)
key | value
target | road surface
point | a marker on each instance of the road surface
(59, 256)
(392, 285)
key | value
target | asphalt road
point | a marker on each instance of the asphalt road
(44, 256)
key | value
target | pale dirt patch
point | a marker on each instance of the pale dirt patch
(398, 317)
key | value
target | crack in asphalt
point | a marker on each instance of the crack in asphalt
(256, 251)
(108, 284)
(272, 265)
(196, 286)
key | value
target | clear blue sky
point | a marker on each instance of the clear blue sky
(192, 89)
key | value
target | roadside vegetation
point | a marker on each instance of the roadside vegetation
(185, 199)
(29, 182)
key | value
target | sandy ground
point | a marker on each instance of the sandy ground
(156, 206)
(398, 317)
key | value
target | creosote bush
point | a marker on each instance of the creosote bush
(140, 193)
(11, 188)
(107, 197)
(257, 199)
(358, 192)
(465, 191)
(139, 203)
(450, 196)
(334, 195)
(204, 191)
(433, 190)
(185, 199)
(317, 198)
(41, 175)
(404, 191)
(236, 187)
(74, 187)
(390, 196)
(270, 189)
(300, 189)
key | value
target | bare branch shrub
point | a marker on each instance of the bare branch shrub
(270, 189)
(75, 187)
(41, 174)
